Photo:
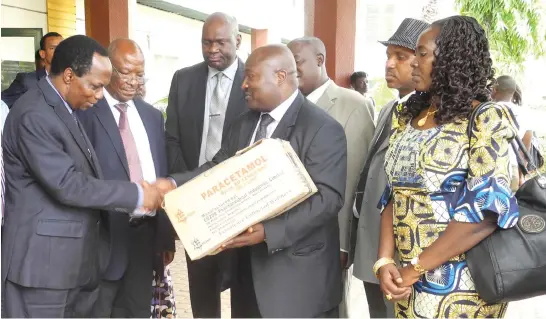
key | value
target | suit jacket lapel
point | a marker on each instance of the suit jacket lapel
(149, 127)
(328, 99)
(284, 129)
(381, 126)
(54, 100)
(200, 89)
(106, 118)
(247, 129)
(237, 103)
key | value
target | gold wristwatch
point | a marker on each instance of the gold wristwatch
(418, 268)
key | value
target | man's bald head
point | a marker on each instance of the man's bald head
(270, 77)
(313, 43)
(310, 56)
(223, 19)
(220, 40)
(128, 69)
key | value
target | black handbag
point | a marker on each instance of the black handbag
(510, 264)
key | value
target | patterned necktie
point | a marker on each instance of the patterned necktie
(217, 115)
(135, 170)
(261, 133)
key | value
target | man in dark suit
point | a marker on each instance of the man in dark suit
(24, 81)
(203, 100)
(55, 198)
(289, 266)
(133, 242)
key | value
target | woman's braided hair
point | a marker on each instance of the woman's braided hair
(462, 72)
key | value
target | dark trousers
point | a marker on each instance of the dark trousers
(377, 304)
(131, 295)
(207, 278)
(25, 302)
(243, 297)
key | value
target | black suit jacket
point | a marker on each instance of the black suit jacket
(296, 272)
(54, 196)
(185, 113)
(22, 83)
(103, 132)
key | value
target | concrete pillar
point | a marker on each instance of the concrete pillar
(258, 38)
(334, 22)
(106, 20)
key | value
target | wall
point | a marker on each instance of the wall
(21, 14)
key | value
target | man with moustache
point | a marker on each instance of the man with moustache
(129, 140)
(203, 101)
(289, 265)
(400, 53)
(25, 81)
(56, 200)
(352, 111)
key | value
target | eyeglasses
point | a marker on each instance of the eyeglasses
(129, 78)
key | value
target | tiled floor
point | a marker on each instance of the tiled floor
(526, 309)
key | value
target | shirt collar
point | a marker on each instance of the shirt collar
(229, 72)
(112, 101)
(278, 113)
(318, 92)
(405, 98)
(59, 94)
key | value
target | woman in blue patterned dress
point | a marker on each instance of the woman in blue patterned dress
(447, 191)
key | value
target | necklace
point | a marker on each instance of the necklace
(422, 121)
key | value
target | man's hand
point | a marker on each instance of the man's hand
(168, 257)
(253, 236)
(152, 197)
(164, 185)
(344, 257)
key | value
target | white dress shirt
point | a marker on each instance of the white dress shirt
(316, 94)
(227, 84)
(141, 140)
(277, 115)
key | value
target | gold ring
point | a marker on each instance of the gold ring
(389, 297)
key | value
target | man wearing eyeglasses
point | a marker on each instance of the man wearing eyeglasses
(128, 137)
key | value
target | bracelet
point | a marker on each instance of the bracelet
(380, 263)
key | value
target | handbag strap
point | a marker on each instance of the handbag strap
(516, 143)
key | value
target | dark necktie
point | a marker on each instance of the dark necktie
(265, 120)
(80, 128)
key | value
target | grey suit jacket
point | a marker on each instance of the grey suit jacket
(296, 272)
(54, 196)
(367, 241)
(352, 111)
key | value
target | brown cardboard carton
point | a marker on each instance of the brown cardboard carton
(258, 183)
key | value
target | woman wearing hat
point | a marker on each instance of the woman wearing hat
(430, 156)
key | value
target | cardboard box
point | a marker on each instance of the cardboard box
(258, 183)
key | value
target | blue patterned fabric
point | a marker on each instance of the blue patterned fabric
(439, 175)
